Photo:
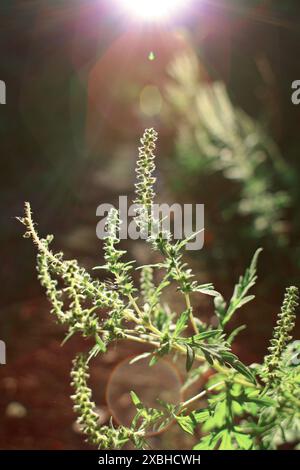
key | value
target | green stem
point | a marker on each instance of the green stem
(190, 309)
(140, 340)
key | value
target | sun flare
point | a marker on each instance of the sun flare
(152, 10)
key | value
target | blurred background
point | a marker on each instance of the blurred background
(84, 78)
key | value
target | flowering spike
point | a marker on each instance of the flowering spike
(281, 335)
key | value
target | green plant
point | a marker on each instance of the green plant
(247, 407)
(216, 138)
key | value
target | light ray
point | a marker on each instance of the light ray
(152, 10)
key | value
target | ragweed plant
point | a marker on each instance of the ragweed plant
(247, 407)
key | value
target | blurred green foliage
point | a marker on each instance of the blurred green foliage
(227, 160)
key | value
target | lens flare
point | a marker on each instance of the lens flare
(152, 10)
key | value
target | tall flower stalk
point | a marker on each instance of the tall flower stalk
(281, 336)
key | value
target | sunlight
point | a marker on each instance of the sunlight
(152, 10)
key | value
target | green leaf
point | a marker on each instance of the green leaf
(100, 343)
(220, 307)
(244, 441)
(240, 302)
(181, 244)
(204, 444)
(200, 416)
(154, 360)
(239, 296)
(207, 289)
(208, 442)
(68, 336)
(135, 400)
(226, 441)
(244, 370)
(205, 335)
(100, 347)
(261, 401)
(232, 360)
(186, 423)
(161, 351)
(181, 323)
(235, 332)
(189, 423)
(190, 356)
(220, 414)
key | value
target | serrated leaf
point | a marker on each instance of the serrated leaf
(186, 423)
